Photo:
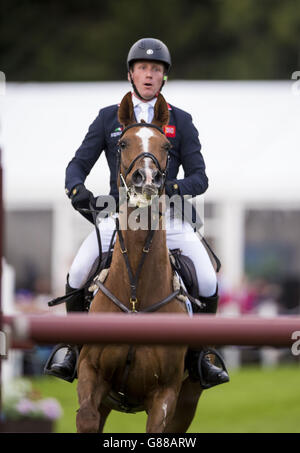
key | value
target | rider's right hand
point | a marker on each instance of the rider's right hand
(81, 197)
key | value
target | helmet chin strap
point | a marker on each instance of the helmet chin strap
(139, 95)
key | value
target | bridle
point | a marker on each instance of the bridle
(163, 172)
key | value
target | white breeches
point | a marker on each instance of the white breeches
(180, 235)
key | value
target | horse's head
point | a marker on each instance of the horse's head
(143, 152)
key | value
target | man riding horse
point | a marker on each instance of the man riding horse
(148, 64)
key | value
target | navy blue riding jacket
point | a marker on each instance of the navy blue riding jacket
(103, 135)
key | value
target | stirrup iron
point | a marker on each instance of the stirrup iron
(204, 384)
(49, 363)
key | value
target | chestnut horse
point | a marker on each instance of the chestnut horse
(143, 378)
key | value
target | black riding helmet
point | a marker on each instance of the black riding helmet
(149, 49)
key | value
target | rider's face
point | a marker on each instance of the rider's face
(147, 77)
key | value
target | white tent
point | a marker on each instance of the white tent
(249, 133)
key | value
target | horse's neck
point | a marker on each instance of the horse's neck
(136, 240)
(155, 280)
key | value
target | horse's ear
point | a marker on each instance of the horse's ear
(161, 112)
(126, 112)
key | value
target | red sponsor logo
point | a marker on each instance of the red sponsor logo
(170, 131)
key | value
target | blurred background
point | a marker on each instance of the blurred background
(234, 68)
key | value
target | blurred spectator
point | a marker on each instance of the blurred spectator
(249, 294)
(290, 296)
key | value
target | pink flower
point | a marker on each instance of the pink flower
(25, 406)
(50, 408)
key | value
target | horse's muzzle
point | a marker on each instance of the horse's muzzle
(150, 181)
(149, 191)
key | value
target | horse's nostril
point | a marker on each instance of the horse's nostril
(138, 177)
(157, 179)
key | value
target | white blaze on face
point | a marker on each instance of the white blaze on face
(145, 134)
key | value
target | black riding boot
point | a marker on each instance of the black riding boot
(198, 362)
(66, 369)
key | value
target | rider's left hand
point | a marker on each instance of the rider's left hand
(171, 188)
(81, 198)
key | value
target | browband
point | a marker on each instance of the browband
(142, 125)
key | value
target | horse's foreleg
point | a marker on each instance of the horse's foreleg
(160, 409)
(186, 407)
(91, 389)
(104, 413)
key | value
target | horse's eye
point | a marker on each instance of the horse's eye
(122, 144)
(167, 146)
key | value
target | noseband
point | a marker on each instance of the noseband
(162, 172)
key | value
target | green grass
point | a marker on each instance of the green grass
(256, 400)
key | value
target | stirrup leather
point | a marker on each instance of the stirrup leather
(49, 363)
(204, 384)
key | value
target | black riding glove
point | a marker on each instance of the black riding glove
(171, 188)
(81, 198)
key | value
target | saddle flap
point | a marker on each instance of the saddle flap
(186, 269)
(105, 264)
